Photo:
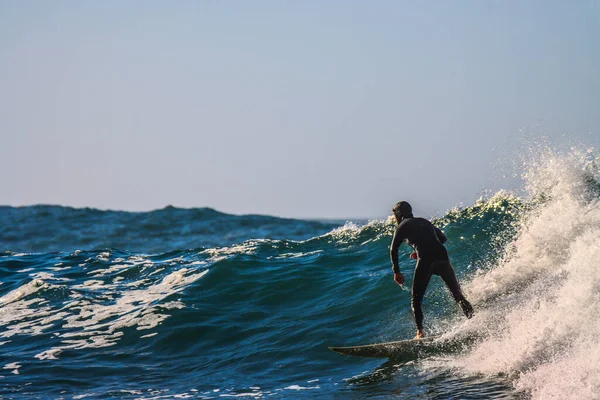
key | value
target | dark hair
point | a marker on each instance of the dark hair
(403, 209)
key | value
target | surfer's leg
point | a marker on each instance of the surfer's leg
(420, 282)
(446, 272)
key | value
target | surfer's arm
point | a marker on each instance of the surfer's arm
(440, 235)
(396, 242)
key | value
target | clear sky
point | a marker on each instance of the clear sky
(293, 108)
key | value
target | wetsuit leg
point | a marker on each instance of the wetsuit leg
(446, 272)
(420, 282)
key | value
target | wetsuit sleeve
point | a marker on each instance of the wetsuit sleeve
(396, 242)
(440, 235)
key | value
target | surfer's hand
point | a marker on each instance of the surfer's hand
(399, 278)
(413, 255)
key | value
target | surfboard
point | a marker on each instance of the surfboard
(400, 348)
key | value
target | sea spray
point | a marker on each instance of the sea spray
(542, 300)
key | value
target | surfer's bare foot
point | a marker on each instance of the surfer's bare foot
(420, 334)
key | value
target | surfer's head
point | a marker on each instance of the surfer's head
(402, 210)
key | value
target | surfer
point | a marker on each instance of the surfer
(432, 259)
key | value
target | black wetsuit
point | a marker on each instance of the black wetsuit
(427, 240)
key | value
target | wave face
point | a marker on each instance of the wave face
(193, 303)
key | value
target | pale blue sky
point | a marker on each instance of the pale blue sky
(303, 109)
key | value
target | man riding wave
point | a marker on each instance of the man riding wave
(432, 259)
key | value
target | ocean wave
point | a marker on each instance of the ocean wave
(252, 314)
(43, 229)
(541, 299)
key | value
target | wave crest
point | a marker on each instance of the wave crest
(539, 304)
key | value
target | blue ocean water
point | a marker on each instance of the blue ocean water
(194, 303)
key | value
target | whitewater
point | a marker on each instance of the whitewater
(194, 303)
(542, 299)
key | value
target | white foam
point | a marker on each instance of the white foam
(91, 325)
(51, 354)
(14, 366)
(223, 253)
(351, 231)
(83, 396)
(296, 255)
(298, 387)
(97, 310)
(539, 306)
(46, 276)
(22, 291)
(108, 271)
